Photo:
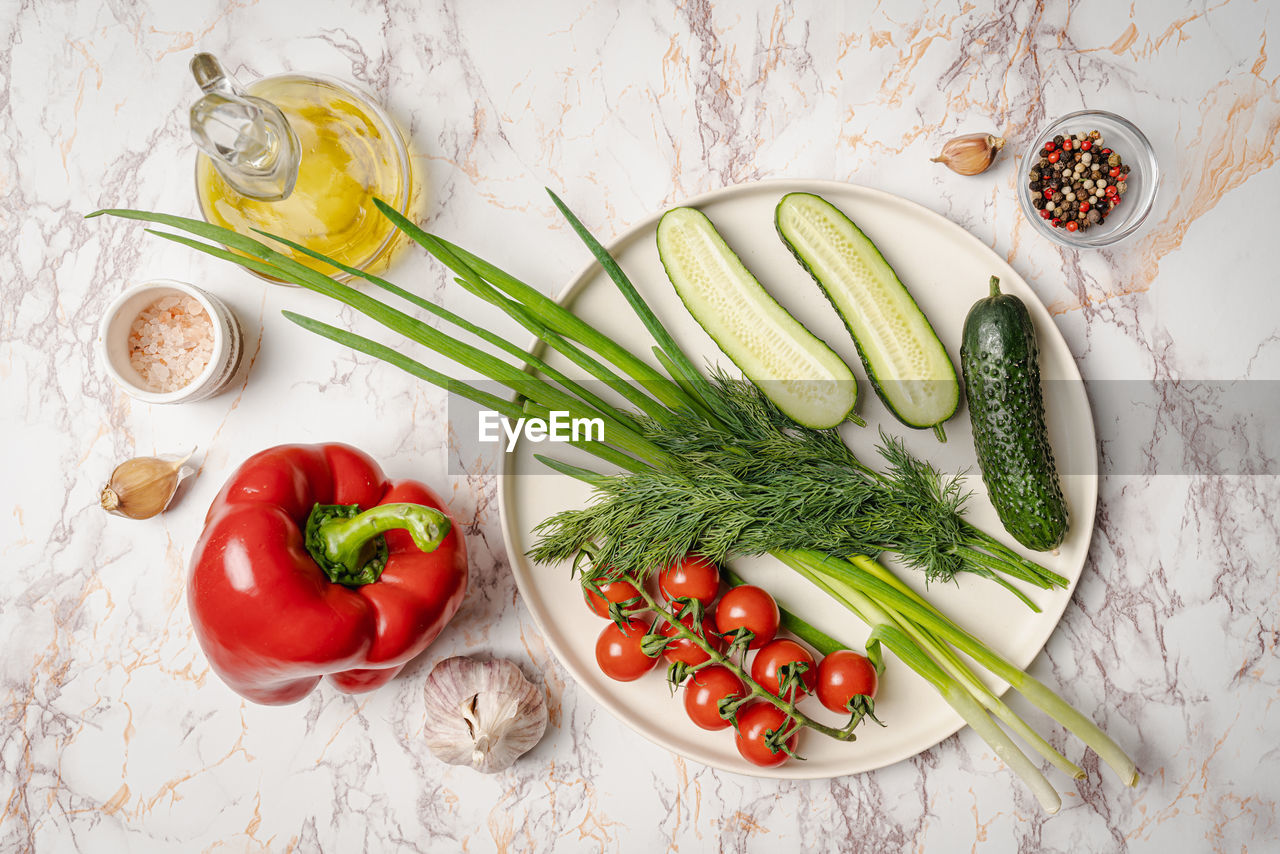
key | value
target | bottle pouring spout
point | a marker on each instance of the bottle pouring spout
(248, 138)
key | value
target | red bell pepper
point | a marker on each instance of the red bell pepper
(312, 564)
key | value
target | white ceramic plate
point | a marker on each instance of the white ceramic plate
(947, 270)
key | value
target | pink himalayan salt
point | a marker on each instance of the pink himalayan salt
(170, 342)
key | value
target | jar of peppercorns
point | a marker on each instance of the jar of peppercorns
(1088, 179)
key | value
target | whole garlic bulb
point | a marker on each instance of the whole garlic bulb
(482, 713)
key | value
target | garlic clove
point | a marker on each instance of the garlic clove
(970, 154)
(484, 714)
(143, 487)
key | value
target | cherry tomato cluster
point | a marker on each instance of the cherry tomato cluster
(746, 618)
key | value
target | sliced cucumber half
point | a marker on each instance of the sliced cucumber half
(794, 368)
(906, 363)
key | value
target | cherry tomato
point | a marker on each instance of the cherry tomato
(770, 660)
(692, 576)
(683, 649)
(619, 654)
(704, 691)
(614, 591)
(748, 607)
(843, 675)
(755, 721)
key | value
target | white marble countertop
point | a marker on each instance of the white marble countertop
(117, 736)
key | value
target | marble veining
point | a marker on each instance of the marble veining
(116, 736)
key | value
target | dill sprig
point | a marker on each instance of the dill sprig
(756, 482)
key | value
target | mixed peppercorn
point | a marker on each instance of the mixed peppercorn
(1076, 181)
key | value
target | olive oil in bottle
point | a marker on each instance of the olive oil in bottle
(301, 157)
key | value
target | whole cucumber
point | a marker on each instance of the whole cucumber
(999, 360)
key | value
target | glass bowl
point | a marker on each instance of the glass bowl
(1121, 136)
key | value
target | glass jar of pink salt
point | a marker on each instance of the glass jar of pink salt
(170, 342)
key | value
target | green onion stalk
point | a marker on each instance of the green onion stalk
(683, 430)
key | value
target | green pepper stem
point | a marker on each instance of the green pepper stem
(349, 546)
(995, 286)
